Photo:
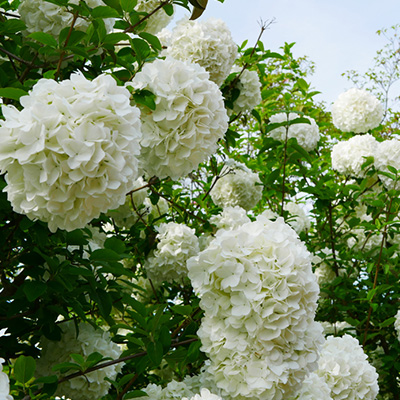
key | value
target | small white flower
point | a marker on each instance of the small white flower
(43, 16)
(249, 86)
(177, 243)
(348, 156)
(238, 186)
(314, 388)
(230, 218)
(298, 218)
(205, 394)
(344, 367)
(90, 340)
(71, 153)
(188, 120)
(157, 21)
(356, 111)
(207, 43)
(397, 324)
(4, 384)
(307, 135)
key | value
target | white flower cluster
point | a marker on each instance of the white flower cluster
(259, 297)
(249, 86)
(348, 156)
(238, 186)
(71, 153)
(344, 367)
(298, 218)
(397, 324)
(388, 154)
(307, 135)
(43, 16)
(230, 218)
(207, 43)
(173, 391)
(189, 118)
(177, 243)
(90, 340)
(356, 111)
(4, 384)
(314, 388)
(157, 21)
(205, 394)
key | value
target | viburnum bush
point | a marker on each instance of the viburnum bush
(181, 219)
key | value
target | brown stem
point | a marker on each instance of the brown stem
(335, 266)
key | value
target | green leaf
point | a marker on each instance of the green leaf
(169, 9)
(145, 98)
(153, 40)
(134, 394)
(193, 352)
(155, 352)
(12, 26)
(44, 38)
(164, 337)
(128, 5)
(24, 368)
(78, 358)
(115, 4)
(141, 48)
(104, 301)
(114, 38)
(115, 244)
(34, 289)
(105, 255)
(104, 12)
(93, 359)
(12, 93)
(66, 366)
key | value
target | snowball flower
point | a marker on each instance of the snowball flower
(71, 153)
(173, 391)
(397, 324)
(259, 297)
(249, 86)
(205, 394)
(230, 218)
(187, 122)
(307, 135)
(207, 43)
(344, 367)
(388, 154)
(177, 243)
(356, 111)
(89, 340)
(42, 16)
(298, 218)
(314, 388)
(237, 186)
(157, 21)
(348, 156)
(4, 384)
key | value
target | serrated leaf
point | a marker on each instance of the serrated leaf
(24, 368)
(155, 352)
(44, 38)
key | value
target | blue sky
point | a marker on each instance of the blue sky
(337, 35)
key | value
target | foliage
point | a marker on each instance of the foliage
(48, 278)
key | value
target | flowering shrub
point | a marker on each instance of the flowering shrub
(207, 43)
(307, 135)
(70, 154)
(241, 278)
(188, 119)
(238, 186)
(356, 111)
(344, 367)
(86, 342)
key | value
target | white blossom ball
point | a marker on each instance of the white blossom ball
(249, 86)
(357, 111)
(177, 243)
(388, 155)
(345, 368)
(157, 21)
(205, 394)
(4, 384)
(173, 391)
(208, 43)
(259, 297)
(298, 218)
(42, 16)
(71, 153)
(307, 135)
(187, 122)
(230, 218)
(237, 186)
(397, 324)
(314, 388)
(348, 156)
(89, 340)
